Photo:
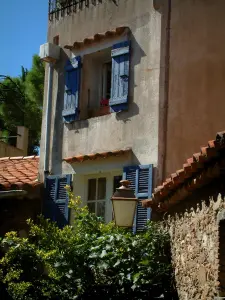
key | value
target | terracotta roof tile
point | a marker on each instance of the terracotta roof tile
(98, 37)
(94, 156)
(196, 171)
(18, 171)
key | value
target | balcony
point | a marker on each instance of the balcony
(61, 8)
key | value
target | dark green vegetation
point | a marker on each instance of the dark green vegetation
(21, 103)
(86, 261)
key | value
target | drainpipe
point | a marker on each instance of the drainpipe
(164, 8)
(48, 120)
(166, 95)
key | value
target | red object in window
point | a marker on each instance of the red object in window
(104, 102)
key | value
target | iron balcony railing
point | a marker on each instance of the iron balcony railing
(59, 8)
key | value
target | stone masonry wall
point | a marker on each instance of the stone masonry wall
(195, 250)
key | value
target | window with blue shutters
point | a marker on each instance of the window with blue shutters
(72, 90)
(120, 76)
(56, 199)
(140, 178)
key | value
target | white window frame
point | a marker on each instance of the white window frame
(109, 191)
(96, 201)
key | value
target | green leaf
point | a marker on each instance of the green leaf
(103, 254)
(117, 263)
(144, 262)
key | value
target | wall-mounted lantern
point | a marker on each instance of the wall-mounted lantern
(124, 205)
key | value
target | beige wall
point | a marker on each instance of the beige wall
(21, 144)
(8, 150)
(196, 78)
(138, 127)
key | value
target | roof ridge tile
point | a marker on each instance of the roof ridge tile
(180, 179)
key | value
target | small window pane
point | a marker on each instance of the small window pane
(91, 207)
(101, 188)
(92, 189)
(101, 209)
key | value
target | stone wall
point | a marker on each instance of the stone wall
(195, 249)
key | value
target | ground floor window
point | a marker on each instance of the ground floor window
(97, 190)
(97, 196)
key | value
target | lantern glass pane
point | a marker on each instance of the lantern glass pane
(124, 212)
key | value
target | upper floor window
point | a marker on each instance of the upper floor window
(105, 83)
(96, 84)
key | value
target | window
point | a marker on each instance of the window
(105, 83)
(97, 196)
(97, 68)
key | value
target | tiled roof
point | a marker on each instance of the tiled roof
(98, 37)
(82, 158)
(197, 171)
(17, 172)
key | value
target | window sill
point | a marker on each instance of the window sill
(102, 111)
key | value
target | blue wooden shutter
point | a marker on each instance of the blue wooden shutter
(72, 90)
(61, 202)
(56, 201)
(141, 182)
(49, 197)
(120, 76)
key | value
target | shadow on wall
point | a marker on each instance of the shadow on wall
(57, 138)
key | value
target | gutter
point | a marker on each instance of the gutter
(164, 8)
(166, 94)
(12, 193)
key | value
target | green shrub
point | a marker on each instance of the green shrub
(86, 259)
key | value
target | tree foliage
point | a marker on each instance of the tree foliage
(35, 81)
(86, 261)
(21, 102)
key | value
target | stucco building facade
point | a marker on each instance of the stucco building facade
(149, 90)
(196, 77)
(114, 125)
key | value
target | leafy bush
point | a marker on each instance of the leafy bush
(85, 260)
